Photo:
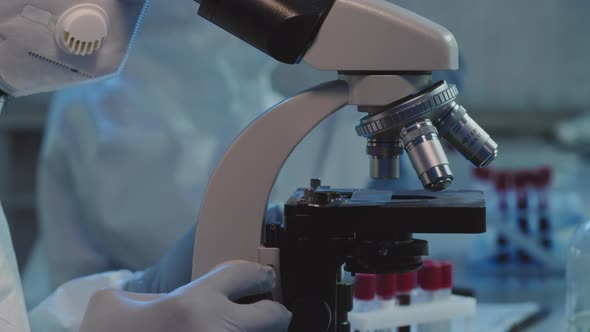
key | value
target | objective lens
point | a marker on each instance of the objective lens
(420, 137)
(385, 167)
(384, 154)
(474, 143)
(422, 144)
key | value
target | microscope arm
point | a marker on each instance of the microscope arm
(237, 195)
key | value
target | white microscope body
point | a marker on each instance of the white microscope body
(384, 54)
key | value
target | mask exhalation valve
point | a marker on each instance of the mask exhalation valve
(81, 30)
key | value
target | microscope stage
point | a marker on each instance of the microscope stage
(329, 210)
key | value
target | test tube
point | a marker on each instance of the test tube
(542, 180)
(446, 279)
(521, 181)
(485, 177)
(446, 290)
(364, 292)
(386, 291)
(502, 182)
(406, 282)
(429, 280)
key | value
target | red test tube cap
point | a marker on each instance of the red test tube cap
(543, 176)
(365, 286)
(483, 174)
(532, 177)
(429, 277)
(386, 286)
(406, 282)
(522, 179)
(502, 181)
(446, 269)
(428, 262)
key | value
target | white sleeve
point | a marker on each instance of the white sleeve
(64, 309)
(13, 317)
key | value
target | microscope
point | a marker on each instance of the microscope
(385, 56)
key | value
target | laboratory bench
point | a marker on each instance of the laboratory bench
(547, 291)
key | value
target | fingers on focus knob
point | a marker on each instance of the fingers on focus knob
(240, 279)
(263, 316)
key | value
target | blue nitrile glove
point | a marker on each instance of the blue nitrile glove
(205, 304)
(175, 268)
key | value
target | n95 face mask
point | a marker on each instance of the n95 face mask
(47, 45)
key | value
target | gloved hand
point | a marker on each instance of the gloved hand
(172, 271)
(205, 305)
(175, 268)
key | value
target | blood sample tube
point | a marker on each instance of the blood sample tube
(386, 291)
(406, 282)
(364, 292)
(429, 280)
